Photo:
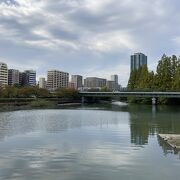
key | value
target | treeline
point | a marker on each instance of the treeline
(35, 92)
(166, 78)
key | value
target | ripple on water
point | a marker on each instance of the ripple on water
(87, 144)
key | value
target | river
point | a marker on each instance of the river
(97, 142)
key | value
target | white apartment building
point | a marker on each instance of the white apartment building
(3, 74)
(42, 82)
(57, 79)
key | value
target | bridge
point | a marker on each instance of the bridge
(154, 95)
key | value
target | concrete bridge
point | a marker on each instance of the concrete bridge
(153, 95)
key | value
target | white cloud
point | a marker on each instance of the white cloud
(177, 40)
(88, 32)
(111, 41)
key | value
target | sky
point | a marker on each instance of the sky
(87, 37)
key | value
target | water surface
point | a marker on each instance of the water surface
(95, 142)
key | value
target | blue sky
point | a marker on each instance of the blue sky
(88, 37)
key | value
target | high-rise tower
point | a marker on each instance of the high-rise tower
(138, 60)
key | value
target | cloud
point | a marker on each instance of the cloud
(80, 35)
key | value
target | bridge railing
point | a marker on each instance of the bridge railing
(131, 94)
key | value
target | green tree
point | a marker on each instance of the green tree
(9, 92)
(176, 80)
(67, 93)
(132, 80)
(104, 89)
(143, 80)
(164, 74)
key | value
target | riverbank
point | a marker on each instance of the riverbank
(173, 140)
(7, 104)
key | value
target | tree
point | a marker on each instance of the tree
(132, 80)
(176, 80)
(67, 93)
(164, 74)
(9, 92)
(143, 81)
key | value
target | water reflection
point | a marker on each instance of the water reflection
(20, 122)
(144, 121)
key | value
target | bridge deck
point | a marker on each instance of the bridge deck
(131, 94)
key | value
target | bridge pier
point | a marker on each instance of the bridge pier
(154, 101)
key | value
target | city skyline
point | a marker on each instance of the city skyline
(91, 38)
(52, 80)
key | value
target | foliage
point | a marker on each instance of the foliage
(166, 78)
(67, 93)
(104, 89)
(23, 92)
(36, 92)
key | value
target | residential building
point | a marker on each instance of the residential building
(13, 77)
(71, 85)
(29, 78)
(77, 80)
(94, 82)
(111, 85)
(138, 60)
(115, 79)
(42, 82)
(3, 74)
(20, 78)
(57, 79)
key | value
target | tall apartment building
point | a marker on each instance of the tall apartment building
(29, 78)
(20, 78)
(3, 74)
(115, 79)
(111, 85)
(77, 80)
(13, 77)
(94, 82)
(57, 79)
(42, 82)
(138, 60)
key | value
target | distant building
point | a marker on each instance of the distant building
(71, 85)
(111, 85)
(57, 79)
(20, 78)
(29, 78)
(3, 74)
(94, 82)
(13, 77)
(77, 80)
(138, 60)
(115, 79)
(42, 82)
